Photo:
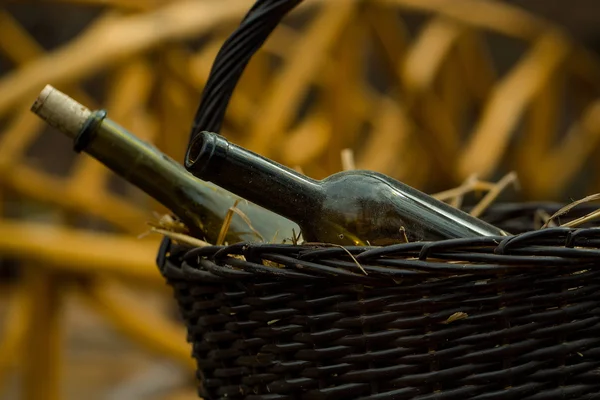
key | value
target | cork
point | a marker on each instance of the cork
(60, 111)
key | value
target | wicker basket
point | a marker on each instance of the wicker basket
(485, 318)
(517, 318)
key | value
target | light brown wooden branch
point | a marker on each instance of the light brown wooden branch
(422, 66)
(129, 5)
(81, 251)
(279, 106)
(509, 101)
(495, 16)
(106, 45)
(46, 188)
(144, 325)
(565, 159)
(14, 327)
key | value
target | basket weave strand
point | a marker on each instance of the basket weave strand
(516, 318)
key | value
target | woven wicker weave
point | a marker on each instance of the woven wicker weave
(512, 318)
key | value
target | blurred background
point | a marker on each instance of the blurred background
(427, 91)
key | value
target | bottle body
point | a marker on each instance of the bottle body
(352, 207)
(367, 207)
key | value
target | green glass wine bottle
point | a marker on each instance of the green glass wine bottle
(201, 206)
(352, 207)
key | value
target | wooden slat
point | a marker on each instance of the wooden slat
(81, 252)
(14, 327)
(479, 71)
(111, 42)
(144, 325)
(489, 15)
(540, 129)
(511, 96)
(129, 5)
(49, 189)
(345, 85)
(421, 68)
(561, 164)
(41, 355)
(289, 86)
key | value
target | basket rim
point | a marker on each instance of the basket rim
(558, 250)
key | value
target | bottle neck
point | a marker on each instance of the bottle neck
(146, 167)
(264, 182)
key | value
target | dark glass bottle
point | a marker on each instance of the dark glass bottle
(201, 206)
(353, 207)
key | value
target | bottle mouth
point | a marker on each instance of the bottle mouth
(201, 151)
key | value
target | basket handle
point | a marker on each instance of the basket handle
(229, 64)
